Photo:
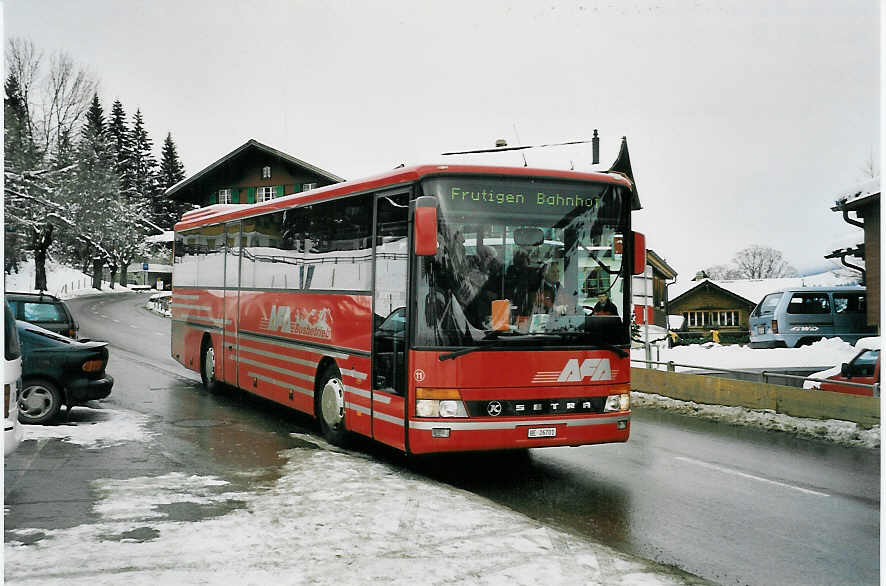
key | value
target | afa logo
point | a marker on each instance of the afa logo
(312, 323)
(592, 368)
(280, 319)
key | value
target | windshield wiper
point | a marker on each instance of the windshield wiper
(498, 342)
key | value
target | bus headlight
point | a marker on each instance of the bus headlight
(617, 403)
(439, 403)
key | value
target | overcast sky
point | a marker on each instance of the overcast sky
(744, 119)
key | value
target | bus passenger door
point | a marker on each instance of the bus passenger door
(231, 323)
(390, 314)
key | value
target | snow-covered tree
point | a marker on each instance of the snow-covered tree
(94, 189)
(168, 212)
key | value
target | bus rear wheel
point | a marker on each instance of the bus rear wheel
(207, 367)
(330, 407)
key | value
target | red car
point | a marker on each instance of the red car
(864, 369)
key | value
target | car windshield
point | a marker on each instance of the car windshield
(523, 261)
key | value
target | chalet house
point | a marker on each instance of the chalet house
(251, 173)
(864, 201)
(711, 305)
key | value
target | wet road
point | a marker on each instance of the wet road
(734, 505)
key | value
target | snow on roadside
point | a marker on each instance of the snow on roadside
(842, 432)
(61, 281)
(823, 353)
(332, 518)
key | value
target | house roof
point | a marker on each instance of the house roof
(660, 264)
(712, 286)
(754, 290)
(859, 196)
(251, 144)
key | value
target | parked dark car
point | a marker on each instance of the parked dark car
(57, 371)
(44, 310)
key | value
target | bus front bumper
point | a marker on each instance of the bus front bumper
(449, 435)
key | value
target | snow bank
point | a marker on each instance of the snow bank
(61, 281)
(841, 432)
(823, 353)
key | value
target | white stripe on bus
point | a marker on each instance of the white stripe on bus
(294, 344)
(280, 383)
(248, 349)
(452, 424)
(286, 371)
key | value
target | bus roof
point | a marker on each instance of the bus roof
(225, 212)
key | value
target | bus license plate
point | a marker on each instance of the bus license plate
(542, 432)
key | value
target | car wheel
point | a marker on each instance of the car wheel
(207, 367)
(330, 407)
(39, 402)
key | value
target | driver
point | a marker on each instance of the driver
(604, 306)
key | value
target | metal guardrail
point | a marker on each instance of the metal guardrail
(764, 375)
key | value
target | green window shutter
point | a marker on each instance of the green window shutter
(279, 191)
(235, 195)
(250, 195)
(213, 197)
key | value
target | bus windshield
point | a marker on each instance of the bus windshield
(524, 262)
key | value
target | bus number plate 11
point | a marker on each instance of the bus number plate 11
(543, 432)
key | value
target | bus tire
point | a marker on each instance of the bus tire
(330, 408)
(208, 366)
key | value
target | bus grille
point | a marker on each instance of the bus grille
(535, 407)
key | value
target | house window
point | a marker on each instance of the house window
(307, 186)
(713, 319)
(224, 196)
(266, 172)
(264, 194)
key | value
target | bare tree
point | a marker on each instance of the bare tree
(56, 99)
(871, 168)
(723, 272)
(762, 262)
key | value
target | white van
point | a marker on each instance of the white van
(794, 317)
(12, 383)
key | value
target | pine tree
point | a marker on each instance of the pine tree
(172, 171)
(171, 168)
(120, 138)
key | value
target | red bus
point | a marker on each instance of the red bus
(433, 308)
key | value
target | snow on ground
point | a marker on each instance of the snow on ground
(333, 517)
(823, 353)
(96, 428)
(61, 281)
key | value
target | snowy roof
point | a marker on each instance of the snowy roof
(754, 290)
(858, 194)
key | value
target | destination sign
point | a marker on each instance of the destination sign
(470, 195)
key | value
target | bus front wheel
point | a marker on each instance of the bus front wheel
(331, 407)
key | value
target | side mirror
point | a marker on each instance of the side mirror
(639, 253)
(846, 370)
(425, 225)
